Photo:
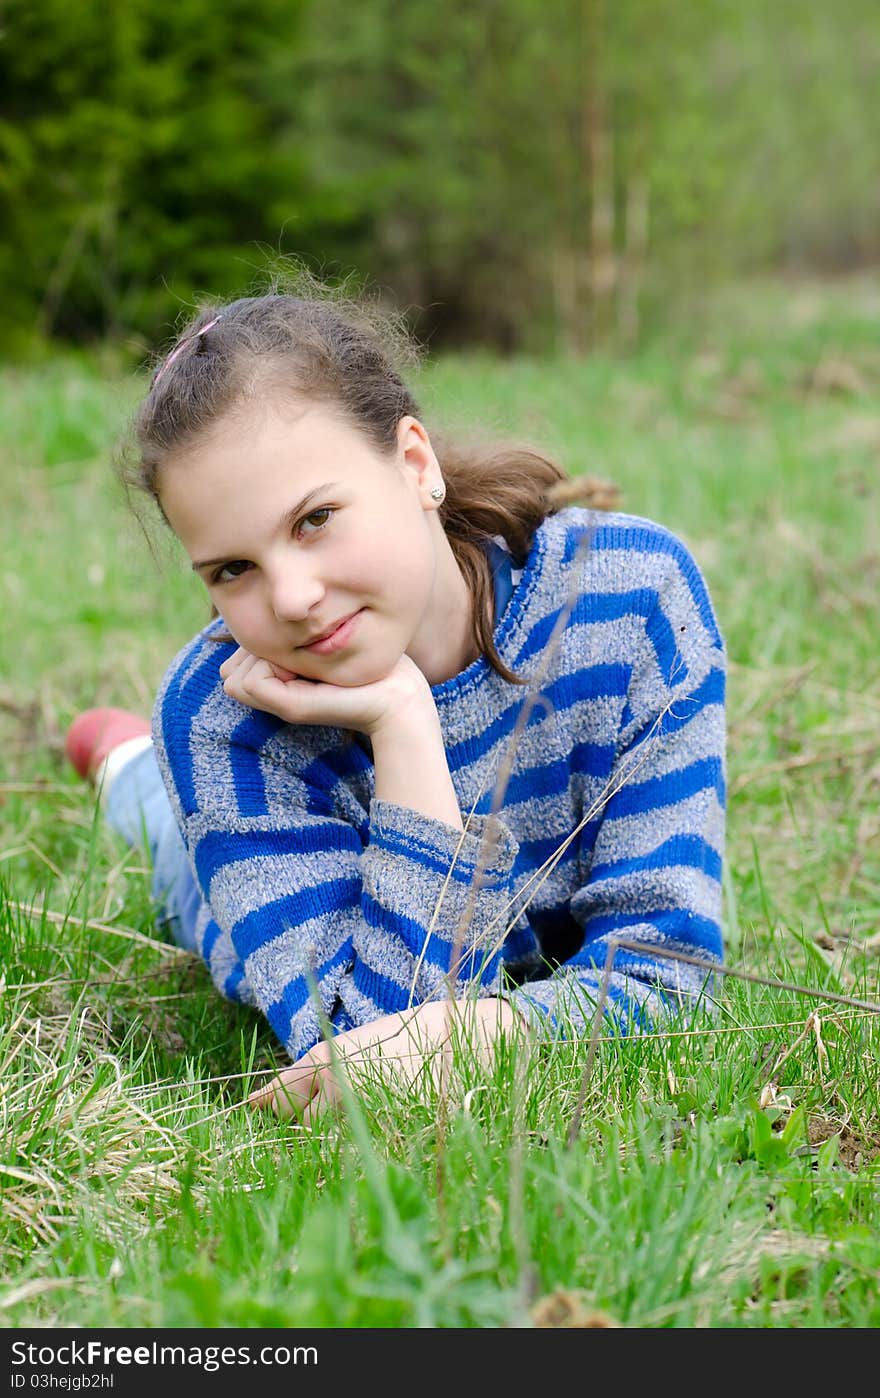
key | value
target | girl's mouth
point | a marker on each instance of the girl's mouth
(325, 645)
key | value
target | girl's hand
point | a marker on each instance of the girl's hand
(404, 1046)
(365, 708)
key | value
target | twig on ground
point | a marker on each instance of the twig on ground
(801, 760)
(128, 933)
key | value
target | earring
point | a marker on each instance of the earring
(438, 492)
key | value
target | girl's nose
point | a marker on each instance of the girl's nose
(294, 592)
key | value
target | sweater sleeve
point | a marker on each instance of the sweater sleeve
(308, 895)
(657, 831)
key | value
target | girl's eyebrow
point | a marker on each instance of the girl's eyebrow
(287, 520)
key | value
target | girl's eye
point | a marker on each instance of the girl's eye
(318, 519)
(230, 571)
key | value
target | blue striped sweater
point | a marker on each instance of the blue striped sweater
(610, 820)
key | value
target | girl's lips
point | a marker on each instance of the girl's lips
(337, 639)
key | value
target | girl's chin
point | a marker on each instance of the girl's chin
(351, 677)
(352, 672)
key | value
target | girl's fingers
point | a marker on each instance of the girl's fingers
(241, 662)
(292, 700)
(232, 662)
(260, 684)
(290, 1093)
(285, 1095)
(240, 666)
(253, 672)
(321, 1103)
(242, 681)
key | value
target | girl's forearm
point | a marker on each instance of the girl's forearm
(411, 768)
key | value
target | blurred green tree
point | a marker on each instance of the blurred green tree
(144, 155)
(527, 169)
(523, 173)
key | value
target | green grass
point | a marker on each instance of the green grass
(713, 1181)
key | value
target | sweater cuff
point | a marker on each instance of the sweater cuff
(563, 1006)
(486, 845)
(423, 880)
(539, 1019)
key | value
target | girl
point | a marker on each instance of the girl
(442, 737)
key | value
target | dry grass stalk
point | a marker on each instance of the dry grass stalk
(801, 760)
(71, 1122)
(92, 925)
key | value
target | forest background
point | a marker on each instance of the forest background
(526, 175)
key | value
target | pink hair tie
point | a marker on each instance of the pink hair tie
(178, 349)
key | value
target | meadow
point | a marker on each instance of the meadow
(720, 1174)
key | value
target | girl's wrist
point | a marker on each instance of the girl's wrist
(414, 717)
(410, 767)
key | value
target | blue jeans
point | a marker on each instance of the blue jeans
(137, 806)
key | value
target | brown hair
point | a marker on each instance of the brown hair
(326, 349)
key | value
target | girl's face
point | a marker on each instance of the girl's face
(323, 555)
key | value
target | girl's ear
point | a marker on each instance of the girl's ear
(416, 457)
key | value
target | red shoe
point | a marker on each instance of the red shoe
(96, 732)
